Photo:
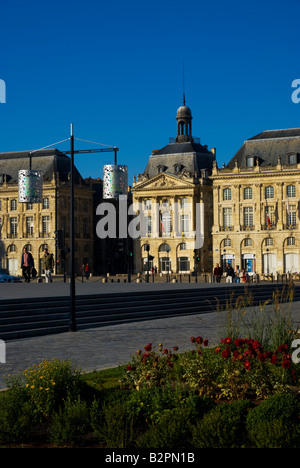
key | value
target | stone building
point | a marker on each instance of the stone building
(256, 205)
(174, 197)
(34, 225)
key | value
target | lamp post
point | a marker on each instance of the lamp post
(72, 324)
(72, 152)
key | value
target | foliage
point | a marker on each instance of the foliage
(16, 416)
(113, 423)
(275, 423)
(222, 427)
(150, 368)
(70, 424)
(49, 384)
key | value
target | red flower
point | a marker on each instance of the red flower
(226, 353)
(226, 340)
(247, 365)
(286, 364)
(130, 368)
(274, 359)
(283, 348)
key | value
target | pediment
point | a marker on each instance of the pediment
(164, 181)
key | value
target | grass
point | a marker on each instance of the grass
(107, 379)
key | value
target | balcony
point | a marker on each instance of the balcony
(289, 227)
(266, 227)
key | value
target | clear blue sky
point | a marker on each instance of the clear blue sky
(114, 69)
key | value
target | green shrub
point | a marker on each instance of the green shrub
(16, 416)
(222, 427)
(50, 383)
(70, 425)
(113, 423)
(152, 403)
(275, 423)
(171, 430)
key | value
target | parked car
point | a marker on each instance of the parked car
(6, 278)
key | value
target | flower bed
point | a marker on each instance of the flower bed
(235, 394)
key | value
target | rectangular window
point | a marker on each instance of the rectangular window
(271, 211)
(148, 204)
(45, 225)
(183, 264)
(248, 216)
(269, 192)
(29, 226)
(227, 217)
(46, 203)
(148, 226)
(292, 215)
(291, 190)
(247, 193)
(13, 226)
(184, 224)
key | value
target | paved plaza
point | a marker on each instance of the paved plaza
(110, 346)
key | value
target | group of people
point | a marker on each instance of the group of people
(28, 269)
(237, 276)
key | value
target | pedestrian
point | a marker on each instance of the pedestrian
(218, 272)
(47, 265)
(237, 274)
(27, 263)
(243, 276)
(87, 271)
(229, 273)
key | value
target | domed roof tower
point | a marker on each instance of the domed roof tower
(184, 123)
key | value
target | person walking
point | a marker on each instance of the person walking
(237, 274)
(87, 271)
(229, 273)
(27, 263)
(47, 265)
(218, 272)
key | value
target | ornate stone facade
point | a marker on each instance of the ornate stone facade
(175, 196)
(256, 205)
(34, 225)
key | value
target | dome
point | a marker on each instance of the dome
(184, 111)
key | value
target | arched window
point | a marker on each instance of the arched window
(164, 247)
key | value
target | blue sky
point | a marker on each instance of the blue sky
(115, 69)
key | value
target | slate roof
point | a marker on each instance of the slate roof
(268, 146)
(190, 156)
(46, 161)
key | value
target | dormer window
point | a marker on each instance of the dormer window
(250, 161)
(292, 158)
(161, 169)
(177, 168)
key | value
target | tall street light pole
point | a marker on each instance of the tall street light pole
(72, 324)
